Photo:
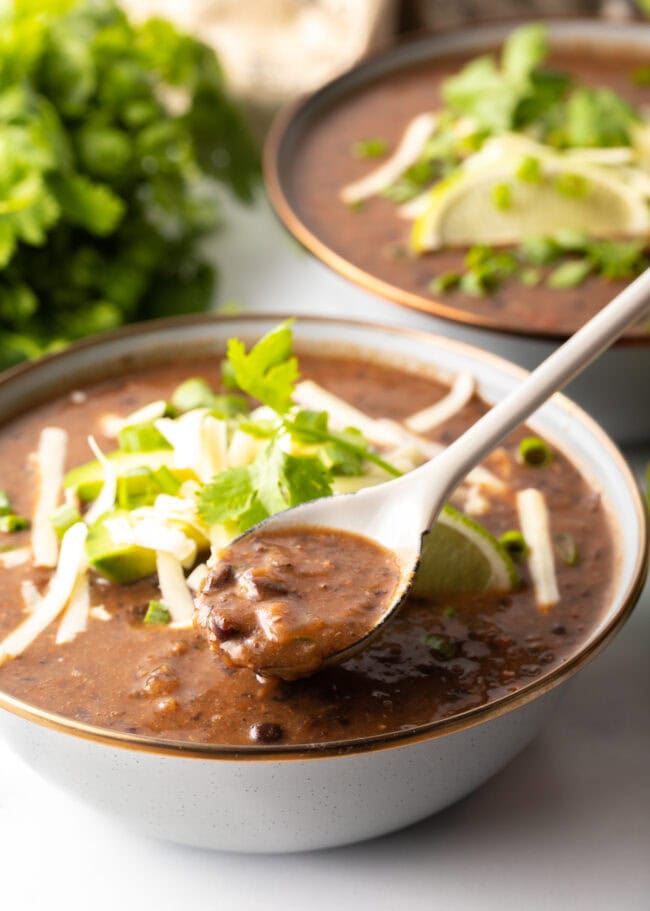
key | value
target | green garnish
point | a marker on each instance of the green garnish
(9, 521)
(501, 196)
(107, 191)
(157, 614)
(570, 274)
(12, 522)
(530, 277)
(141, 438)
(641, 75)
(5, 504)
(442, 647)
(566, 548)
(572, 185)
(449, 612)
(268, 371)
(529, 170)
(445, 282)
(369, 148)
(533, 451)
(64, 518)
(515, 543)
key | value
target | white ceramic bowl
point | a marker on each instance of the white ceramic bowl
(288, 799)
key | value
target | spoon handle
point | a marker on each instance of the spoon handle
(552, 374)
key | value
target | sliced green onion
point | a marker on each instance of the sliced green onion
(529, 169)
(63, 517)
(12, 522)
(530, 277)
(5, 504)
(167, 481)
(192, 393)
(369, 148)
(157, 614)
(141, 438)
(442, 647)
(445, 282)
(515, 543)
(535, 452)
(574, 185)
(449, 611)
(570, 274)
(501, 196)
(566, 548)
(539, 251)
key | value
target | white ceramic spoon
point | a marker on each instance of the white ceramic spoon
(396, 514)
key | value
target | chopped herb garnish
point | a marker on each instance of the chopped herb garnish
(449, 612)
(12, 522)
(268, 371)
(501, 196)
(64, 517)
(566, 548)
(529, 169)
(442, 647)
(570, 274)
(445, 282)
(141, 438)
(157, 614)
(574, 185)
(530, 277)
(539, 251)
(515, 543)
(533, 451)
(641, 75)
(369, 148)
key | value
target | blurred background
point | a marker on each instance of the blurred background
(127, 130)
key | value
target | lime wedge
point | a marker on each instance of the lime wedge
(487, 201)
(459, 555)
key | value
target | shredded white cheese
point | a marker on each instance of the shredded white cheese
(197, 577)
(75, 618)
(72, 560)
(536, 529)
(99, 612)
(106, 499)
(410, 147)
(49, 460)
(458, 396)
(17, 556)
(175, 593)
(381, 432)
(150, 532)
(30, 595)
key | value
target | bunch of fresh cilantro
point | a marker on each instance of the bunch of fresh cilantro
(112, 136)
(278, 479)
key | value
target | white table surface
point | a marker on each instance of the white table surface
(565, 826)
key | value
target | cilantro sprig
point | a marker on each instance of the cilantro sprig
(106, 187)
(300, 455)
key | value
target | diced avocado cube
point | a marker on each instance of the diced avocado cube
(121, 563)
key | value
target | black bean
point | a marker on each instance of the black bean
(221, 628)
(265, 732)
(559, 630)
(218, 576)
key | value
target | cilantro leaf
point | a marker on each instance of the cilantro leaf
(87, 204)
(598, 118)
(227, 497)
(268, 371)
(275, 481)
(524, 50)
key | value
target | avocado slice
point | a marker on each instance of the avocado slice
(86, 480)
(121, 563)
